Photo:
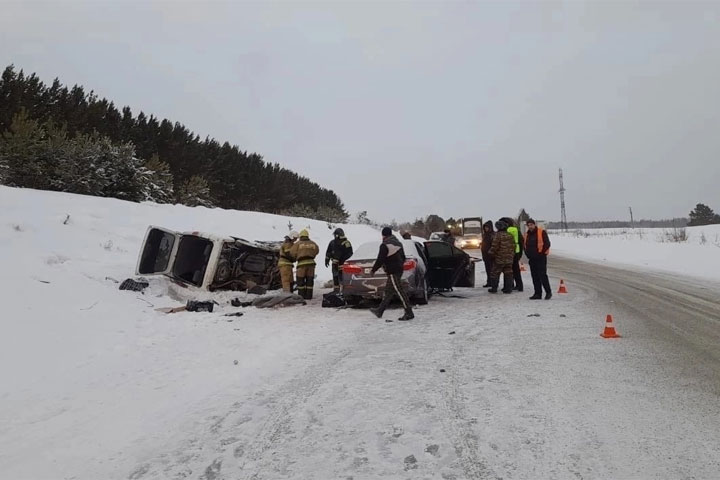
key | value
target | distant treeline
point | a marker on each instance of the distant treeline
(668, 223)
(51, 136)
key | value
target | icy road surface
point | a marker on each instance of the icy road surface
(529, 389)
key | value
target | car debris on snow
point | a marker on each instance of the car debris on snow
(199, 306)
(281, 300)
(134, 285)
(170, 309)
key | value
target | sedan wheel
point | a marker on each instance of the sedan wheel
(422, 299)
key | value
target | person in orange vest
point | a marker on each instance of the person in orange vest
(537, 249)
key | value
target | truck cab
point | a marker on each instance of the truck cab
(470, 233)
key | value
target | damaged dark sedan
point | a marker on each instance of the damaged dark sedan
(432, 266)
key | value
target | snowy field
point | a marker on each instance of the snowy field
(98, 385)
(663, 249)
(87, 368)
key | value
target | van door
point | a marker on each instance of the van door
(158, 251)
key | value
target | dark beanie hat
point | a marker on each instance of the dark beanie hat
(530, 220)
(386, 232)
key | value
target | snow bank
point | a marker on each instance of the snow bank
(654, 248)
(103, 235)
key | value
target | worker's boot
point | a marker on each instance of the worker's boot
(507, 283)
(494, 282)
(408, 315)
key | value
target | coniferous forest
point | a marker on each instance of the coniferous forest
(66, 139)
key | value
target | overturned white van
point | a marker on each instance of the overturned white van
(208, 261)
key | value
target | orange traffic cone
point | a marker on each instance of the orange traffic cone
(522, 267)
(609, 329)
(562, 288)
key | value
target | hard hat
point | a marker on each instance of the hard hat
(293, 234)
(339, 232)
(304, 233)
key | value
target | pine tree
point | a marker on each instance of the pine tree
(237, 179)
(28, 157)
(703, 215)
(195, 192)
(434, 223)
(158, 181)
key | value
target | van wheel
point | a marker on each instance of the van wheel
(423, 298)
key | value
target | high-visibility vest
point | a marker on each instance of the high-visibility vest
(540, 241)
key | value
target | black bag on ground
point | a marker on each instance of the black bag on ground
(333, 300)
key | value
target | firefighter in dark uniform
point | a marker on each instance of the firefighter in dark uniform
(305, 251)
(338, 251)
(391, 258)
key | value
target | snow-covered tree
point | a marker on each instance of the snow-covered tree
(195, 192)
(158, 181)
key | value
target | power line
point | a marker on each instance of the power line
(563, 215)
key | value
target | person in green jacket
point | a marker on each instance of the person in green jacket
(517, 275)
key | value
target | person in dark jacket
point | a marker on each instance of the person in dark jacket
(487, 239)
(338, 251)
(391, 258)
(517, 275)
(449, 237)
(537, 249)
(502, 251)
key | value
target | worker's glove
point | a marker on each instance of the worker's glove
(327, 262)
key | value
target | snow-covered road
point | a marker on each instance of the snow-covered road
(521, 396)
(529, 390)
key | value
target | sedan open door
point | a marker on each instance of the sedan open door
(448, 266)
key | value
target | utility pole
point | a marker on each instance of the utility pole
(632, 220)
(563, 215)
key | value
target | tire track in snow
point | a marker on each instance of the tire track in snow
(289, 398)
(188, 459)
(454, 418)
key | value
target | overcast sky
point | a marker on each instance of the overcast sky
(406, 109)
